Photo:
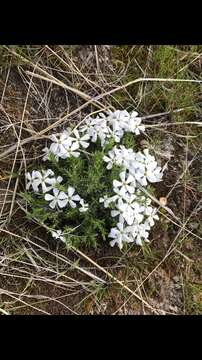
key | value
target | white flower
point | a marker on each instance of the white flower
(47, 152)
(87, 126)
(137, 164)
(84, 206)
(81, 140)
(143, 159)
(127, 182)
(57, 180)
(120, 235)
(114, 157)
(58, 143)
(64, 145)
(148, 157)
(124, 156)
(58, 198)
(119, 119)
(97, 128)
(144, 168)
(153, 173)
(116, 135)
(120, 193)
(106, 200)
(43, 178)
(140, 177)
(124, 211)
(112, 125)
(134, 124)
(142, 234)
(151, 213)
(137, 211)
(32, 181)
(69, 150)
(57, 234)
(110, 159)
(46, 177)
(101, 132)
(71, 198)
(129, 198)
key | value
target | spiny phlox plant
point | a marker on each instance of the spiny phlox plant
(113, 168)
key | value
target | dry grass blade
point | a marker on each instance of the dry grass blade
(64, 86)
(116, 280)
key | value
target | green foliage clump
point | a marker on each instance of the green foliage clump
(89, 176)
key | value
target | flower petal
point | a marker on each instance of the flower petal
(109, 166)
(84, 144)
(62, 195)
(106, 158)
(71, 190)
(114, 213)
(28, 185)
(44, 187)
(53, 204)
(117, 183)
(74, 146)
(113, 233)
(62, 203)
(59, 179)
(38, 174)
(35, 186)
(120, 244)
(83, 209)
(50, 181)
(76, 133)
(130, 189)
(112, 242)
(85, 137)
(122, 176)
(49, 197)
(49, 172)
(54, 148)
(138, 240)
(130, 179)
(53, 138)
(72, 204)
(75, 154)
(76, 198)
(55, 192)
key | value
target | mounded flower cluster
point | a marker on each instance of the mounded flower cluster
(103, 127)
(133, 211)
